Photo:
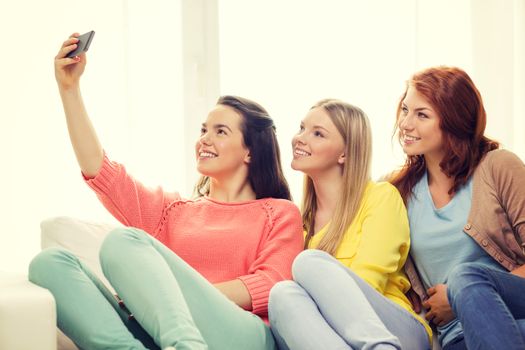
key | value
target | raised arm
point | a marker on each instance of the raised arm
(83, 137)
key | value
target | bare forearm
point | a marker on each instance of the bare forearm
(520, 271)
(83, 136)
(237, 292)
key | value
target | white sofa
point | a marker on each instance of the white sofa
(27, 311)
(27, 315)
(83, 238)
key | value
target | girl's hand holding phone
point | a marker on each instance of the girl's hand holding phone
(69, 69)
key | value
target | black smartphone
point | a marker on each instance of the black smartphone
(83, 44)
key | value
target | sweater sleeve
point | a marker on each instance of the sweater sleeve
(276, 253)
(508, 172)
(385, 238)
(128, 200)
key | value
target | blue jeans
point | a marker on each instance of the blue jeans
(328, 306)
(490, 305)
(172, 304)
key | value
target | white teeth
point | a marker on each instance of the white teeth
(411, 138)
(207, 155)
(300, 152)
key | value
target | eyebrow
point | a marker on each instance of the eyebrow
(317, 127)
(218, 126)
(419, 109)
(320, 127)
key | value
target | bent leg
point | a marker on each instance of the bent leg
(85, 312)
(297, 323)
(364, 318)
(172, 301)
(488, 302)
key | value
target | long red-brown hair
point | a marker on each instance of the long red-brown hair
(457, 101)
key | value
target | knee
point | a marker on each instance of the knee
(116, 241)
(306, 262)
(462, 276)
(118, 247)
(281, 297)
(280, 292)
(46, 263)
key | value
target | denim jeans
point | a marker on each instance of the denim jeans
(173, 305)
(490, 305)
(328, 306)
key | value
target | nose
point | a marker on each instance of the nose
(406, 122)
(204, 139)
(298, 138)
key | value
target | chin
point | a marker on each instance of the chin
(411, 152)
(304, 170)
(295, 166)
(414, 154)
(203, 171)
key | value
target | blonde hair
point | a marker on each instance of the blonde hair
(353, 125)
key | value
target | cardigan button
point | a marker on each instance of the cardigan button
(468, 227)
(484, 242)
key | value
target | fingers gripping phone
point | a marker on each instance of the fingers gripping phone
(83, 44)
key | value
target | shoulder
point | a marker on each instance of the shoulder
(380, 191)
(382, 197)
(500, 157)
(281, 210)
(278, 205)
(500, 161)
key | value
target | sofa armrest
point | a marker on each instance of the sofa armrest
(27, 315)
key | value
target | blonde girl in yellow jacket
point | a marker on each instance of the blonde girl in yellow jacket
(348, 288)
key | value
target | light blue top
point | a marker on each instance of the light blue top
(438, 242)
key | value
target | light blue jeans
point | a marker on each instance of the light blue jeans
(328, 306)
(172, 304)
(490, 305)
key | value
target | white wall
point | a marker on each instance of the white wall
(498, 48)
(156, 67)
(518, 124)
(289, 54)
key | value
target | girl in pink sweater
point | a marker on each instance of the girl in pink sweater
(190, 274)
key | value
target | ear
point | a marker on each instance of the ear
(341, 159)
(248, 158)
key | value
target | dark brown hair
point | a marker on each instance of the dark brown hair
(258, 130)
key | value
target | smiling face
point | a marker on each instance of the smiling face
(318, 146)
(220, 150)
(419, 128)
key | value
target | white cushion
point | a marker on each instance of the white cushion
(81, 237)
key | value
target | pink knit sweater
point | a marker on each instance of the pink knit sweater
(255, 241)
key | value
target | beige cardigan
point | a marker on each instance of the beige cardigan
(497, 215)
